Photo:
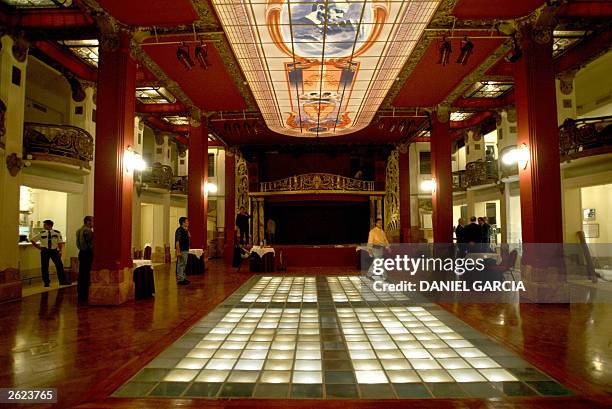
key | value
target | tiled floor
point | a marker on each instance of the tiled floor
(334, 337)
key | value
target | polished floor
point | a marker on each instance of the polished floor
(89, 353)
(334, 337)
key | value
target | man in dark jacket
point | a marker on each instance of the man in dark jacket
(242, 222)
(84, 239)
(460, 235)
(472, 234)
(485, 228)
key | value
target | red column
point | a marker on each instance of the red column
(230, 205)
(540, 181)
(404, 192)
(114, 133)
(197, 199)
(442, 196)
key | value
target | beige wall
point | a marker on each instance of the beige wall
(599, 198)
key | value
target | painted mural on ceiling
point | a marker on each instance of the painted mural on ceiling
(323, 67)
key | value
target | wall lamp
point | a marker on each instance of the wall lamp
(428, 185)
(133, 161)
(518, 156)
(210, 187)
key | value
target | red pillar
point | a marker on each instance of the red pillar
(197, 199)
(540, 181)
(114, 133)
(442, 195)
(404, 192)
(230, 205)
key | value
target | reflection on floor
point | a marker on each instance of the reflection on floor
(334, 337)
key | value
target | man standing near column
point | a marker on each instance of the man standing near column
(84, 238)
(181, 243)
(242, 222)
(377, 243)
(51, 244)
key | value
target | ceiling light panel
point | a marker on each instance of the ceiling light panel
(322, 68)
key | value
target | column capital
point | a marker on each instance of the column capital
(443, 113)
(566, 81)
(538, 26)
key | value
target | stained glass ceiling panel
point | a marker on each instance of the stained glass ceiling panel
(38, 3)
(322, 68)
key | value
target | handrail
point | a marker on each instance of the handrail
(579, 135)
(317, 181)
(481, 173)
(58, 143)
(158, 176)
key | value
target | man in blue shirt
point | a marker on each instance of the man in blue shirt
(181, 244)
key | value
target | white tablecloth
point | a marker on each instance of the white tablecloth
(493, 256)
(261, 251)
(140, 263)
(196, 252)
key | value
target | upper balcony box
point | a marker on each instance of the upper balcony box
(68, 148)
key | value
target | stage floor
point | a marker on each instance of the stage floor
(329, 337)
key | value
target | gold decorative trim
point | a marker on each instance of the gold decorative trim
(241, 182)
(320, 192)
(392, 193)
(310, 182)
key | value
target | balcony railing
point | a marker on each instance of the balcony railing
(179, 185)
(58, 143)
(577, 136)
(459, 181)
(158, 176)
(481, 173)
(315, 182)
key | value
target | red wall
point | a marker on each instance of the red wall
(278, 166)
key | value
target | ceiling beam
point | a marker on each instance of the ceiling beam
(481, 104)
(584, 52)
(67, 60)
(170, 109)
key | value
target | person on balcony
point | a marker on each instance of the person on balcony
(242, 223)
(182, 239)
(50, 244)
(84, 242)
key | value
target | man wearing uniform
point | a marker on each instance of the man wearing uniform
(84, 241)
(51, 244)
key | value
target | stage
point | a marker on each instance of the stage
(342, 255)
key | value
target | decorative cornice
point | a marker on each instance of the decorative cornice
(207, 18)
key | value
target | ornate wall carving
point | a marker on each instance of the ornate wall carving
(315, 182)
(392, 195)
(242, 182)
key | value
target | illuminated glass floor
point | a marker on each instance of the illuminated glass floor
(334, 337)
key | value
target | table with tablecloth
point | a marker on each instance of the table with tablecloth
(195, 262)
(262, 259)
(144, 281)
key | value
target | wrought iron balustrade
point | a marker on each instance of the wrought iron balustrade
(58, 143)
(577, 136)
(317, 181)
(179, 184)
(459, 181)
(481, 173)
(158, 176)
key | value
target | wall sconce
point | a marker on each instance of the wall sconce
(210, 187)
(523, 156)
(428, 185)
(132, 161)
(518, 155)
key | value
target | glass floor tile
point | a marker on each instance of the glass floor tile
(334, 338)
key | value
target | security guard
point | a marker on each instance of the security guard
(50, 246)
